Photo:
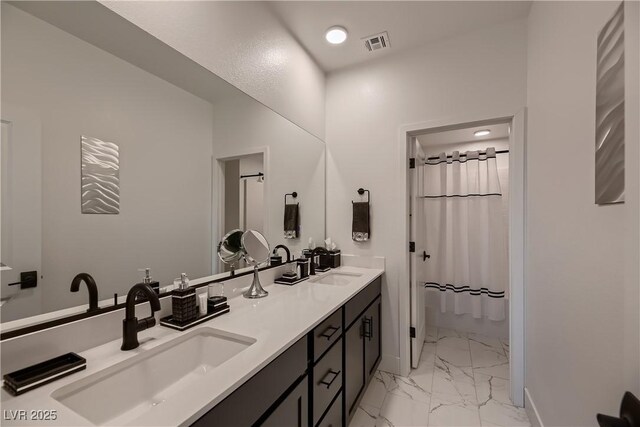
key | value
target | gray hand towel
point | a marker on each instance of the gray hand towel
(360, 226)
(291, 222)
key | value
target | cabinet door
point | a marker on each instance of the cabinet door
(371, 325)
(333, 418)
(354, 365)
(292, 411)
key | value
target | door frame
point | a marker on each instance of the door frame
(217, 196)
(517, 223)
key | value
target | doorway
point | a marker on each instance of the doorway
(429, 309)
(244, 195)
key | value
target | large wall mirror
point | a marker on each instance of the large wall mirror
(120, 154)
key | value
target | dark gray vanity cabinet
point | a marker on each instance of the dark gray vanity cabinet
(362, 343)
(319, 380)
(354, 366)
(266, 394)
(371, 335)
(293, 410)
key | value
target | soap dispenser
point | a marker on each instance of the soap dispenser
(147, 280)
(183, 302)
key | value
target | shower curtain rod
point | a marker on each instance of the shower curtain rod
(464, 155)
(252, 175)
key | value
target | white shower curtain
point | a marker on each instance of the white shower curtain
(466, 234)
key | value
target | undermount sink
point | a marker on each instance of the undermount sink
(130, 389)
(337, 279)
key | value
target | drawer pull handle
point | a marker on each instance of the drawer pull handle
(329, 332)
(328, 383)
(368, 327)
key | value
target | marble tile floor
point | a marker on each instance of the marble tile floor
(462, 380)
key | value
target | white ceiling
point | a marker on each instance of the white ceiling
(460, 136)
(409, 24)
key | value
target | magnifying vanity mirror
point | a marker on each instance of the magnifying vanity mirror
(256, 251)
(93, 104)
(251, 246)
(230, 248)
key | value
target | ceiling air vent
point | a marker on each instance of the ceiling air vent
(377, 42)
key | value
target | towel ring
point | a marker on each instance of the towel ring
(294, 195)
(361, 191)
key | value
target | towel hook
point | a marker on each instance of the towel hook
(294, 195)
(361, 191)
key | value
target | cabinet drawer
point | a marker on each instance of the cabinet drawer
(261, 391)
(326, 334)
(357, 304)
(334, 415)
(327, 380)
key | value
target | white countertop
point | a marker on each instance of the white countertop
(276, 322)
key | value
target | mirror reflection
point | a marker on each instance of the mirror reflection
(256, 247)
(110, 165)
(230, 248)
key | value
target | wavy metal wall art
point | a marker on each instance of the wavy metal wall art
(100, 176)
(610, 111)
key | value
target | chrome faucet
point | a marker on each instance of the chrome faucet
(91, 286)
(312, 269)
(131, 325)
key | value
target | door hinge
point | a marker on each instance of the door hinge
(412, 332)
(412, 246)
(412, 163)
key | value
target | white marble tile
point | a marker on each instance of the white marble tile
(376, 391)
(423, 375)
(500, 370)
(406, 387)
(455, 383)
(399, 411)
(431, 335)
(494, 404)
(488, 424)
(428, 352)
(365, 416)
(490, 342)
(455, 350)
(489, 360)
(445, 412)
(505, 347)
(448, 333)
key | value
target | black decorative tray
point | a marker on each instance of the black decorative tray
(42, 373)
(282, 281)
(169, 322)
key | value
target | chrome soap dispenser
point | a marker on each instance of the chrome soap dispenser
(183, 302)
(147, 280)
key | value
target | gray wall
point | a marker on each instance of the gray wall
(472, 75)
(165, 138)
(582, 259)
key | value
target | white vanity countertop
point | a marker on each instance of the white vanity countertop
(276, 322)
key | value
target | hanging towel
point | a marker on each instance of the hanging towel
(360, 227)
(291, 223)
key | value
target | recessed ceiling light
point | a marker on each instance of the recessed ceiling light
(482, 132)
(336, 35)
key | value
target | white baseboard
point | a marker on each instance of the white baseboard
(532, 411)
(390, 363)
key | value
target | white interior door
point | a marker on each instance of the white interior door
(418, 317)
